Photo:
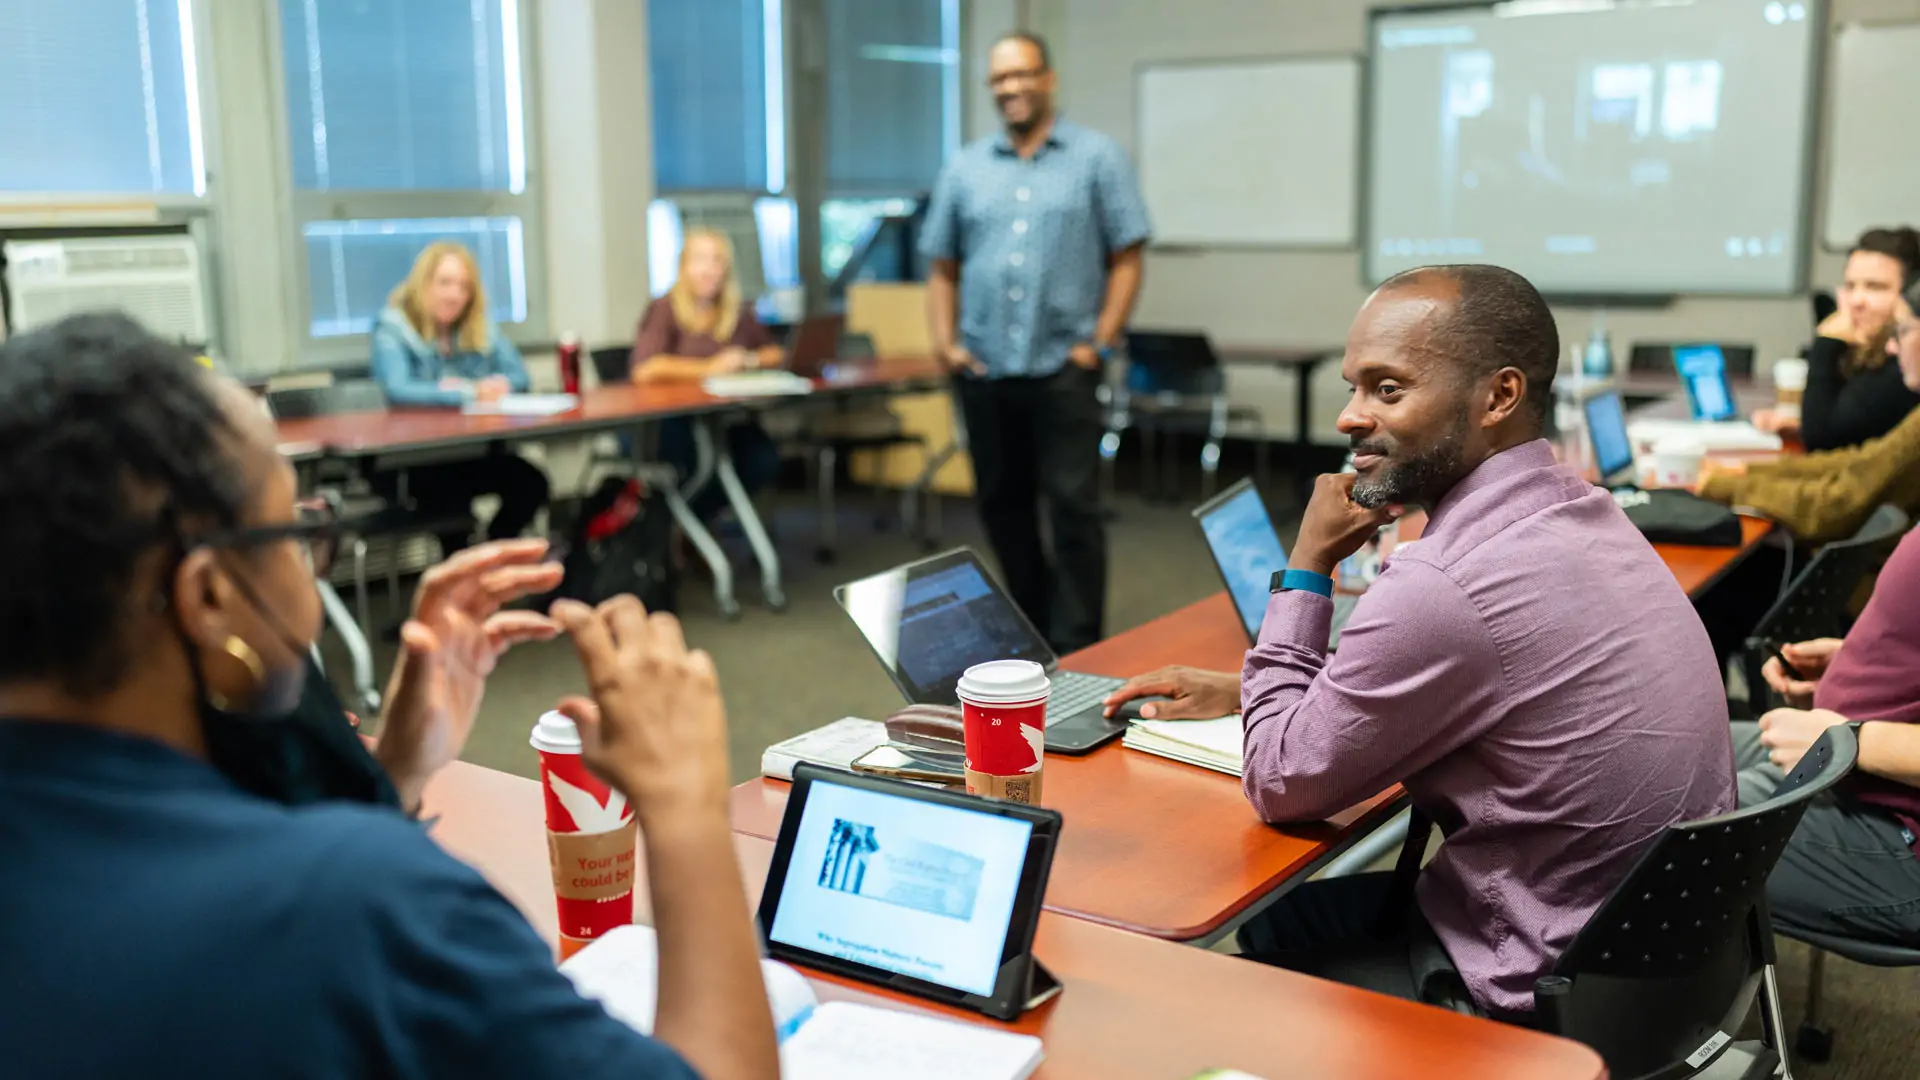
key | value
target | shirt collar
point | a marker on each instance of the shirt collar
(1511, 462)
(1057, 136)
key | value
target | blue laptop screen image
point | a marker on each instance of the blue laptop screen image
(912, 887)
(953, 619)
(1249, 551)
(1704, 369)
(1607, 424)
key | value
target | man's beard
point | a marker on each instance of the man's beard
(1419, 479)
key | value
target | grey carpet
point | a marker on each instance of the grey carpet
(785, 673)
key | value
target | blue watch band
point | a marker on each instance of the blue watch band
(1301, 581)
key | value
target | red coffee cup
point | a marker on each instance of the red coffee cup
(590, 838)
(1004, 706)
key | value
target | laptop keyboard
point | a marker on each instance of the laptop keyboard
(1074, 693)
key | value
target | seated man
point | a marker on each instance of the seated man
(1529, 668)
(1850, 868)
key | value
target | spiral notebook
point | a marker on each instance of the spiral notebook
(1210, 744)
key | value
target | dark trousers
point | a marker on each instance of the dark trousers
(756, 459)
(446, 490)
(1848, 870)
(1033, 439)
(1339, 929)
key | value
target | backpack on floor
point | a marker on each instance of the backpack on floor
(622, 544)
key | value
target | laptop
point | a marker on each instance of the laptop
(1716, 425)
(1247, 550)
(1703, 369)
(816, 344)
(1607, 431)
(929, 621)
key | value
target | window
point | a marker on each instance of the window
(99, 96)
(407, 124)
(776, 226)
(719, 85)
(843, 222)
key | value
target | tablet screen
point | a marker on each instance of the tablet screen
(908, 886)
(1704, 368)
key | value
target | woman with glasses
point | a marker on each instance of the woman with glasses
(167, 908)
(1826, 496)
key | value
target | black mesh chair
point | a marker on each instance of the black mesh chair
(1819, 603)
(1665, 972)
(843, 428)
(1174, 385)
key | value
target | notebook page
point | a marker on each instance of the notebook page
(845, 1041)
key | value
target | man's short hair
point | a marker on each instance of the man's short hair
(1499, 320)
(1033, 39)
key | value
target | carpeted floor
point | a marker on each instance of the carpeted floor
(785, 673)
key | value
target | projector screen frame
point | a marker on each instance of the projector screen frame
(1803, 234)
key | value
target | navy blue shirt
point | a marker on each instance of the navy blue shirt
(1032, 237)
(156, 922)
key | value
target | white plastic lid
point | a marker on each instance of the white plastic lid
(555, 734)
(1004, 682)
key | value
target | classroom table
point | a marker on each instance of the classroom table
(1131, 1006)
(1173, 851)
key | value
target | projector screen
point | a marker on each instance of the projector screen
(1597, 147)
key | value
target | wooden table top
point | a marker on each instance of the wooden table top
(601, 408)
(1132, 1006)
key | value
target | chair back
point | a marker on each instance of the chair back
(340, 396)
(1818, 603)
(1658, 357)
(1172, 362)
(610, 363)
(1661, 977)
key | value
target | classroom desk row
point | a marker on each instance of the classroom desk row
(1172, 851)
(1132, 1006)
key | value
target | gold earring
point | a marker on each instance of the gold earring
(243, 652)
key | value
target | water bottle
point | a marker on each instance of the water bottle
(1570, 421)
(1598, 362)
(568, 354)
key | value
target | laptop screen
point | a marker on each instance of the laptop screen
(1247, 550)
(930, 621)
(911, 887)
(1704, 370)
(1607, 427)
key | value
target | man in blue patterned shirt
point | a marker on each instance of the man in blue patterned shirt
(1035, 238)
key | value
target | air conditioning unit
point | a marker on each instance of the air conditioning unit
(154, 279)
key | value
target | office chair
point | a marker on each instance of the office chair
(846, 427)
(1173, 384)
(1667, 969)
(1819, 603)
(1657, 357)
(1814, 1040)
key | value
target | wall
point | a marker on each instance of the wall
(1308, 298)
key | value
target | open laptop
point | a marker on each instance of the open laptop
(1703, 369)
(816, 344)
(1716, 425)
(931, 620)
(1607, 431)
(1247, 550)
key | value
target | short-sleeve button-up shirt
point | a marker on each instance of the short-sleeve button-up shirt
(1033, 237)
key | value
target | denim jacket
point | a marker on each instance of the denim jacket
(410, 368)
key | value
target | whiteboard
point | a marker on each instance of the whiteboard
(1873, 159)
(1251, 152)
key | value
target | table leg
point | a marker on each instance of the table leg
(1303, 447)
(664, 480)
(763, 550)
(354, 637)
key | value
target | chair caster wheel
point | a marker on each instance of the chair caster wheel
(825, 556)
(730, 612)
(1813, 1043)
(776, 602)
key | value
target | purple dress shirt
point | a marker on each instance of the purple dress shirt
(1534, 675)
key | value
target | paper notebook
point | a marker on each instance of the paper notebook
(522, 405)
(1210, 744)
(836, 1041)
(835, 746)
(758, 384)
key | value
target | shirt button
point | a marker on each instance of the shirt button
(1016, 294)
(1023, 194)
(1020, 227)
(1017, 259)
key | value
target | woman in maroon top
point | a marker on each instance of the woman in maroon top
(701, 329)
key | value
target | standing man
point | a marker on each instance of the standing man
(1043, 226)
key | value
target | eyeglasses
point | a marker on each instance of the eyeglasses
(1024, 75)
(316, 527)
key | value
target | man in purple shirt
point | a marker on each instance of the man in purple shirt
(1529, 669)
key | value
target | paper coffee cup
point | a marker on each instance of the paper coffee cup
(1677, 464)
(1789, 385)
(1003, 704)
(590, 838)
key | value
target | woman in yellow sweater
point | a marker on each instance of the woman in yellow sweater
(1826, 496)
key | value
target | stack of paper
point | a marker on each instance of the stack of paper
(844, 1041)
(522, 405)
(758, 384)
(835, 746)
(1210, 744)
(621, 970)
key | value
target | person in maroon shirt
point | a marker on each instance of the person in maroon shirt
(1851, 868)
(702, 328)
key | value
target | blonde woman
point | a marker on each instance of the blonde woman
(701, 328)
(434, 346)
